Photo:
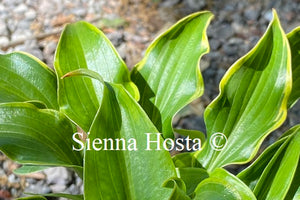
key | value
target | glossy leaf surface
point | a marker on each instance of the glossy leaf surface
(28, 169)
(129, 173)
(192, 177)
(169, 77)
(251, 174)
(223, 185)
(82, 45)
(252, 100)
(25, 78)
(179, 189)
(277, 177)
(29, 135)
(186, 159)
(294, 40)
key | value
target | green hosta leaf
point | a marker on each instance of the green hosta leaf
(124, 174)
(28, 169)
(294, 40)
(29, 135)
(223, 185)
(186, 159)
(169, 77)
(84, 46)
(277, 177)
(251, 174)
(295, 185)
(192, 134)
(297, 195)
(25, 78)
(192, 177)
(179, 190)
(67, 196)
(252, 100)
(32, 198)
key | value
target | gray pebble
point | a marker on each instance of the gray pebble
(12, 178)
(37, 188)
(2, 172)
(169, 3)
(58, 188)
(268, 15)
(224, 32)
(195, 4)
(3, 28)
(214, 44)
(30, 14)
(57, 175)
(3, 41)
(20, 9)
(252, 13)
(80, 12)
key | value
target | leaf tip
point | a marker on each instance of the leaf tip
(65, 76)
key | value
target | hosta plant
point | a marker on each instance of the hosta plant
(114, 127)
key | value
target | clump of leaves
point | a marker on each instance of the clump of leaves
(91, 88)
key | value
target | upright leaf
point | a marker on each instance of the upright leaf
(84, 46)
(294, 40)
(251, 174)
(130, 173)
(32, 136)
(277, 177)
(252, 100)
(223, 185)
(25, 78)
(169, 77)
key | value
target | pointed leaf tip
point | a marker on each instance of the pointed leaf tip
(169, 77)
(252, 100)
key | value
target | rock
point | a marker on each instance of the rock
(214, 44)
(2, 9)
(58, 188)
(204, 64)
(38, 188)
(73, 189)
(224, 32)
(268, 15)
(21, 34)
(3, 28)
(2, 172)
(58, 176)
(122, 50)
(252, 13)
(80, 12)
(169, 3)
(195, 4)
(116, 38)
(30, 14)
(31, 180)
(231, 48)
(20, 9)
(3, 41)
(220, 74)
(50, 48)
(12, 178)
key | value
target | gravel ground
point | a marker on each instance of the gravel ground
(34, 26)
